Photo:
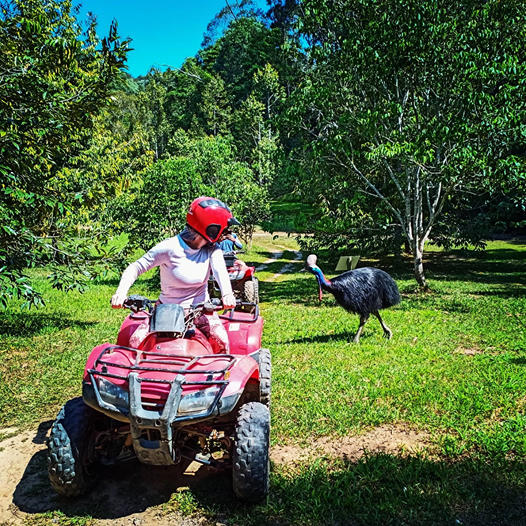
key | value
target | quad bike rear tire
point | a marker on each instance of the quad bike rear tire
(251, 291)
(265, 376)
(250, 457)
(70, 459)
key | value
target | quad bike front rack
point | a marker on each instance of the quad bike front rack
(159, 452)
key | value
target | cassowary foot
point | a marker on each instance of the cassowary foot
(363, 321)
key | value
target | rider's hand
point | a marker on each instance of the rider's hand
(117, 300)
(229, 301)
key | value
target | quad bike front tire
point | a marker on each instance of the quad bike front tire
(265, 376)
(251, 291)
(250, 457)
(70, 459)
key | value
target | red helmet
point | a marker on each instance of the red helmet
(209, 217)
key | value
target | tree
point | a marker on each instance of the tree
(213, 113)
(198, 166)
(408, 105)
(110, 165)
(256, 139)
(154, 117)
(232, 11)
(246, 47)
(53, 79)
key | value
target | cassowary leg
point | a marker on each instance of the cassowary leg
(363, 321)
(388, 333)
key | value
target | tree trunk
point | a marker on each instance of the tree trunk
(418, 265)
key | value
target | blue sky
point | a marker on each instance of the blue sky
(164, 32)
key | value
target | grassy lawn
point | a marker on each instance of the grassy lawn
(290, 216)
(454, 373)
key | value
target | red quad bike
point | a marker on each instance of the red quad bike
(170, 398)
(244, 283)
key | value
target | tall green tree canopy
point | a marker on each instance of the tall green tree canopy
(53, 79)
(198, 166)
(407, 106)
(247, 45)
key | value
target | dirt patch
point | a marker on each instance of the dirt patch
(289, 267)
(468, 351)
(133, 494)
(391, 439)
(267, 262)
(128, 495)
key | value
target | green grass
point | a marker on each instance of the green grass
(290, 216)
(455, 371)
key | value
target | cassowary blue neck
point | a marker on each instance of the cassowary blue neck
(322, 280)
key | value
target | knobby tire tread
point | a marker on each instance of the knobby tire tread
(265, 376)
(250, 473)
(67, 448)
(251, 291)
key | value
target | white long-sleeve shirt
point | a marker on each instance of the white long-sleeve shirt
(184, 271)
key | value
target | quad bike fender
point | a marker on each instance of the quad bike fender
(250, 272)
(239, 275)
(244, 334)
(95, 353)
(129, 326)
(245, 369)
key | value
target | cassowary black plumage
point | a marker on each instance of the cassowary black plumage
(362, 291)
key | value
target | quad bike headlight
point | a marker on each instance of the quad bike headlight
(113, 394)
(198, 401)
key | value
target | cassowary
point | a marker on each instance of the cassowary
(362, 291)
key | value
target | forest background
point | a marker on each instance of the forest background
(377, 127)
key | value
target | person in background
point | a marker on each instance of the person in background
(230, 242)
(185, 262)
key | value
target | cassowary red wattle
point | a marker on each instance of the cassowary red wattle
(363, 291)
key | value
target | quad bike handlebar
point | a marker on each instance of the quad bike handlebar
(138, 303)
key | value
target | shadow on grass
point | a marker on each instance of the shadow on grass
(344, 337)
(109, 282)
(31, 323)
(518, 361)
(378, 489)
(289, 291)
(503, 268)
(496, 267)
(386, 489)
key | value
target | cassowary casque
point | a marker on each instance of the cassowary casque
(362, 291)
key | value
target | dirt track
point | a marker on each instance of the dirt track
(128, 494)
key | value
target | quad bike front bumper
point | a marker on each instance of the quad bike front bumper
(128, 406)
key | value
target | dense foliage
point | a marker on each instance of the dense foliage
(411, 109)
(54, 79)
(203, 166)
